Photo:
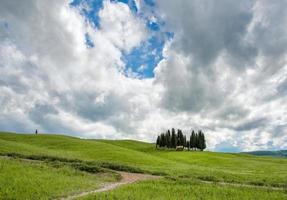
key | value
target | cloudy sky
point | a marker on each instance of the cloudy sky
(133, 68)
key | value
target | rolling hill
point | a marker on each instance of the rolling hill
(80, 164)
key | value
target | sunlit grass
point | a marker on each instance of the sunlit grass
(22, 179)
(186, 189)
(185, 167)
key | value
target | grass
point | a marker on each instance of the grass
(22, 179)
(86, 166)
(93, 156)
(186, 189)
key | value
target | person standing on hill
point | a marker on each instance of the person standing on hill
(36, 132)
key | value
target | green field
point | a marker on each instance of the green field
(23, 179)
(186, 189)
(51, 166)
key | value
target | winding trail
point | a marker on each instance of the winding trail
(126, 178)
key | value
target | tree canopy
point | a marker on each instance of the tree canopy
(171, 140)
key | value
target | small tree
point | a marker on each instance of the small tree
(168, 139)
(161, 144)
(163, 140)
(157, 141)
(180, 139)
(192, 140)
(173, 138)
(203, 142)
(197, 141)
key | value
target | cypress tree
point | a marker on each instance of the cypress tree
(180, 139)
(157, 141)
(168, 139)
(200, 140)
(203, 141)
(184, 141)
(196, 141)
(165, 140)
(173, 138)
(192, 140)
(162, 140)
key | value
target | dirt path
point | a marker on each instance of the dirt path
(127, 178)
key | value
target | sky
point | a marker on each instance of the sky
(131, 69)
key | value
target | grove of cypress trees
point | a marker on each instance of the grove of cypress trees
(173, 139)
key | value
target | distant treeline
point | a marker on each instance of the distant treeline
(178, 140)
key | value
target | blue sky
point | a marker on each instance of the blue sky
(143, 58)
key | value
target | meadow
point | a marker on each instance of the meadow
(186, 189)
(24, 179)
(62, 165)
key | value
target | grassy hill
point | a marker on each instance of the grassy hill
(82, 163)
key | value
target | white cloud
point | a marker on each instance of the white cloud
(220, 68)
(70, 88)
(120, 26)
(222, 72)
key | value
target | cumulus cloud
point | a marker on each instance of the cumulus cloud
(225, 65)
(120, 26)
(224, 71)
(50, 74)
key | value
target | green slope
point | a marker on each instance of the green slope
(208, 166)
(23, 179)
(182, 189)
(131, 144)
(69, 147)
